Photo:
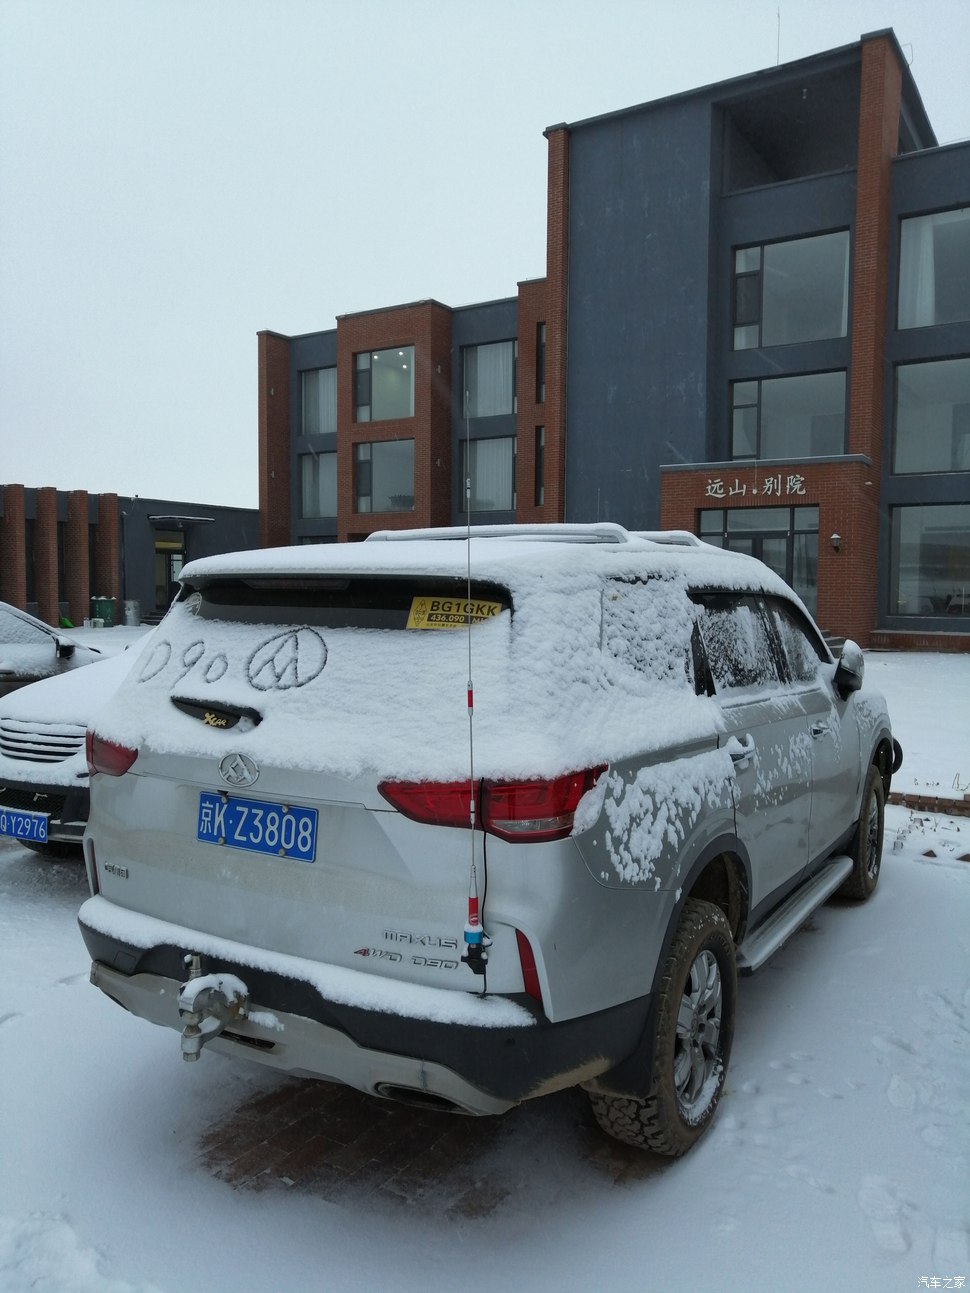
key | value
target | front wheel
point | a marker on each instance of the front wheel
(692, 1045)
(866, 848)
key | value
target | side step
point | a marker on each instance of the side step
(793, 912)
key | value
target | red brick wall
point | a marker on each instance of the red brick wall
(878, 135)
(274, 439)
(76, 591)
(845, 493)
(13, 539)
(426, 326)
(107, 579)
(45, 556)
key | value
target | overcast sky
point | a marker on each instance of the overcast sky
(176, 175)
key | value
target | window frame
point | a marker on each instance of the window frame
(759, 454)
(364, 382)
(747, 273)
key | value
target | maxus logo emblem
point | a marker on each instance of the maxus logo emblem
(238, 770)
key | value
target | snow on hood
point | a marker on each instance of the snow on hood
(550, 697)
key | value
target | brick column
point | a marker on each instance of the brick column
(274, 439)
(13, 553)
(45, 556)
(107, 551)
(880, 88)
(76, 557)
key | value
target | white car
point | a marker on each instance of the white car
(31, 650)
(44, 791)
(462, 821)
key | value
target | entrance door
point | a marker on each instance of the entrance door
(784, 538)
(169, 559)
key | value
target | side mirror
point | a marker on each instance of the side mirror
(65, 649)
(850, 670)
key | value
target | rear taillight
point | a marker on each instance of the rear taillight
(530, 812)
(107, 756)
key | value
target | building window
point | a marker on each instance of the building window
(789, 417)
(488, 375)
(930, 562)
(934, 269)
(319, 401)
(784, 538)
(384, 384)
(791, 291)
(540, 363)
(318, 484)
(932, 417)
(492, 473)
(30, 581)
(384, 476)
(540, 481)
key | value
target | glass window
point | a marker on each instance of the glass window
(789, 417)
(318, 484)
(492, 474)
(319, 401)
(540, 476)
(489, 379)
(934, 269)
(802, 649)
(384, 384)
(737, 642)
(930, 562)
(384, 476)
(932, 417)
(540, 363)
(791, 291)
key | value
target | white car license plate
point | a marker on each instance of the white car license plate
(258, 826)
(24, 824)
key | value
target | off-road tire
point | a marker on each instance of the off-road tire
(866, 848)
(698, 988)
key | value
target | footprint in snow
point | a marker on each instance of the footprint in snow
(877, 1199)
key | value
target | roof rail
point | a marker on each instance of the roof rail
(601, 532)
(671, 538)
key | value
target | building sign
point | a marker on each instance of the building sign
(780, 485)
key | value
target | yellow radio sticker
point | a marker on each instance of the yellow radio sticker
(449, 612)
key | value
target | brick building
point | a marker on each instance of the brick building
(60, 549)
(754, 324)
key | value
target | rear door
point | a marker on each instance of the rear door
(767, 737)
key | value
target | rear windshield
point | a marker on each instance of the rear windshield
(361, 601)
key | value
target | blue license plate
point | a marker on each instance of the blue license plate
(23, 824)
(257, 826)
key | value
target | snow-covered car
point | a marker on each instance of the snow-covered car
(462, 819)
(44, 792)
(31, 650)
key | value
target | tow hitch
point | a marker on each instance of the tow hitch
(208, 1003)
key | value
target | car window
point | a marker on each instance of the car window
(802, 650)
(13, 629)
(647, 627)
(737, 641)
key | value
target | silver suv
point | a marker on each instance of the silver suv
(459, 821)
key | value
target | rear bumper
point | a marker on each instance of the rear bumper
(466, 1067)
(67, 807)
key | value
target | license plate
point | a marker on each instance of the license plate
(23, 824)
(258, 826)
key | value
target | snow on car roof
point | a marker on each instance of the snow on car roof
(511, 554)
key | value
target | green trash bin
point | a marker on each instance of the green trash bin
(103, 608)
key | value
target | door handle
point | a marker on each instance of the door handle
(741, 751)
(819, 729)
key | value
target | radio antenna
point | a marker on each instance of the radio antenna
(476, 942)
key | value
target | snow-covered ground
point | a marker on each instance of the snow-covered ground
(840, 1157)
